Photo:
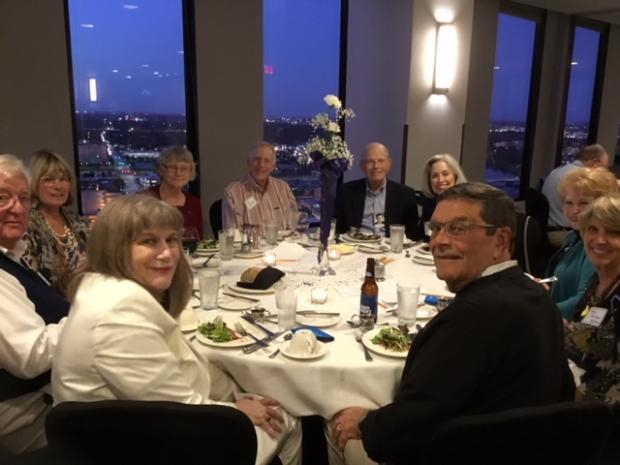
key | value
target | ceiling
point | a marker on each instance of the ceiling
(601, 10)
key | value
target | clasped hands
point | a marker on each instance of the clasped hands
(262, 412)
(345, 425)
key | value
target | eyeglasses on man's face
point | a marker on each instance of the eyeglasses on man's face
(184, 168)
(455, 228)
(7, 200)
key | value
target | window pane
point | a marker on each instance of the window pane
(302, 59)
(511, 90)
(580, 92)
(129, 89)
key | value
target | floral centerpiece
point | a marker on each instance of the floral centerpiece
(327, 151)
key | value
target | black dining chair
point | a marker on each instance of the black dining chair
(150, 432)
(570, 433)
(215, 216)
(527, 244)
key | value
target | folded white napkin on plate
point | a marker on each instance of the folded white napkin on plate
(288, 251)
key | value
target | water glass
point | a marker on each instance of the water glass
(407, 295)
(226, 239)
(209, 281)
(286, 302)
(271, 233)
(397, 237)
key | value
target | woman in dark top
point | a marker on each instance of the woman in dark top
(592, 339)
(176, 168)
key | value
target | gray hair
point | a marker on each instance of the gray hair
(176, 153)
(259, 144)
(594, 152)
(497, 206)
(116, 228)
(459, 176)
(11, 166)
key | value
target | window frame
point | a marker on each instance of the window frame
(597, 91)
(191, 120)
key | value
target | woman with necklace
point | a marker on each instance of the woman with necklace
(592, 337)
(56, 236)
(176, 168)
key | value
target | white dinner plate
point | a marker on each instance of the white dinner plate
(348, 238)
(248, 255)
(244, 290)
(372, 249)
(285, 349)
(232, 303)
(425, 312)
(206, 252)
(423, 249)
(318, 321)
(242, 342)
(421, 260)
(406, 241)
(379, 349)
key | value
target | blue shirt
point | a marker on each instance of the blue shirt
(373, 219)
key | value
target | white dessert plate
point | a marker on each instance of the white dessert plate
(318, 321)
(285, 349)
(378, 348)
(243, 290)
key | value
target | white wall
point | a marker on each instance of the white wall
(435, 124)
(378, 57)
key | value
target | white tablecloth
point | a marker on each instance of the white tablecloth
(343, 377)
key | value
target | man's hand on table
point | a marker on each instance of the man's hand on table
(262, 412)
(346, 425)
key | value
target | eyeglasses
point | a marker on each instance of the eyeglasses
(178, 168)
(454, 228)
(50, 180)
(7, 199)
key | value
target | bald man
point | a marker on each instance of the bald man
(374, 202)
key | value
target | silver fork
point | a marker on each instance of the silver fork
(241, 330)
(358, 338)
(275, 353)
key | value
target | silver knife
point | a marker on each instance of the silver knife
(251, 320)
(261, 343)
(242, 297)
(319, 314)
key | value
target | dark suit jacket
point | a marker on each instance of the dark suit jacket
(400, 207)
(499, 345)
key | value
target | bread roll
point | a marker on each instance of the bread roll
(249, 275)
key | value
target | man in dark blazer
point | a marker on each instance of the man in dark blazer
(499, 345)
(373, 203)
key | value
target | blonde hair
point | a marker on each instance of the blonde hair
(116, 228)
(45, 163)
(459, 176)
(605, 209)
(176, 153)
(592, 182)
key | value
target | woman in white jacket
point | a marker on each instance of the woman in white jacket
(122, 339)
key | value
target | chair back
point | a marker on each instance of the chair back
(527, 242)
(570, 433)
(215, 216)
(537, 206)
(150, 432)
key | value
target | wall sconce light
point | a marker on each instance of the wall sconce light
(445, 58)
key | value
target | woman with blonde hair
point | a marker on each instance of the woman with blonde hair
(176, 168)
(122, 339)
(56, 236)
(570, 264)
(592, 338)
(441, 172)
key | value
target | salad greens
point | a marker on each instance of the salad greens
(217, 331)
(392, 339)
(207, 244)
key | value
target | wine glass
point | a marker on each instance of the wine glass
(302, 226)
(190, 240)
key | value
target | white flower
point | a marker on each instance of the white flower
(332, 101)
(333, 127)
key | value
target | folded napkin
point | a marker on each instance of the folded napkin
(266, 278)
(289, 251)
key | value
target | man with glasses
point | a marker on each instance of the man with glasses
(31, 315)
(373, 203)
(498, 345)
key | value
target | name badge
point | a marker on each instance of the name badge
(595, 316)
(250, 203)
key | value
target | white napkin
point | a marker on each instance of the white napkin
(288, 251)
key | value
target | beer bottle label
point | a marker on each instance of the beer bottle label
(368, 305)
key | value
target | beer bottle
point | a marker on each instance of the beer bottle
(369, 294)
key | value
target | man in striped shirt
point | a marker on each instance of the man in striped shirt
(259, 198)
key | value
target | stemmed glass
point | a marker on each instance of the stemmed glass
(190, 240)
(302, 226)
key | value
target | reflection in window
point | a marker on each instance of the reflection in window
(129, 90)
(509, 110)
(580, 92)
(301, 65)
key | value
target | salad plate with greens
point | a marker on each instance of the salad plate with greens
(391, 342)
(222, 332)
(207, 247)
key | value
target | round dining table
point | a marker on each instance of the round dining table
(342, 376)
